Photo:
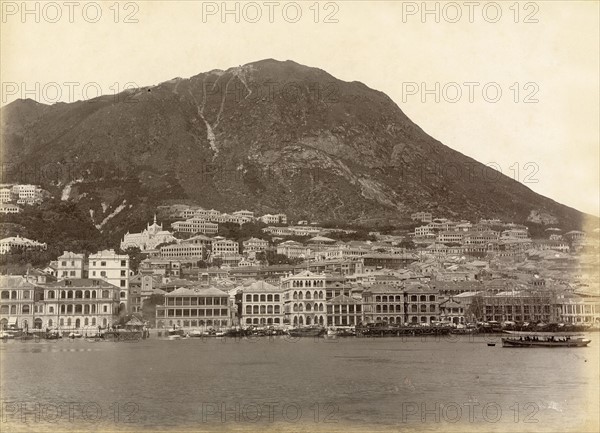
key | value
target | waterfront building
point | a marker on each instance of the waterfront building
(344, 311)
(579, 310)
(78, 304)
(262, 304)
(152, 236)
(70, 265)
(383, 303)
(304, 299)
(189, 308)
(17, 298)
(518, 306)
(452, 311)
(114, 269)
(421, 303)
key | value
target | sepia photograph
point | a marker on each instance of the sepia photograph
(300, 216)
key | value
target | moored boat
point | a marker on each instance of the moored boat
(534, 341)
(307, 331)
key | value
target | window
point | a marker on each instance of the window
(102, 263)
(105, 309)
(103, 273)
(123, 263)
(123, 283)
(123, 273)
(64, 263)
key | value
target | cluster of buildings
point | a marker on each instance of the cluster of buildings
(11, 196)
(454, 273)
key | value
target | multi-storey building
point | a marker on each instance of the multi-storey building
(254, 245)
(421, 303)
(383, 303)
(480, 237)
(194, 308)
(424, 231)
(224, 247)
(201, 240)
(6, 195)
(28, 194)
(450, 236)
(452, 311)
(163, 267)
(579, 310)
(70, 265)
(279, 218)
(244, 215)
(196, 225)
(293, 250)
(304, 299)
(114, 269)
(183, 250)
(17, 297)
(517, 306)
(262, 304)
(78, 304)
(344, 311)
(515, 234)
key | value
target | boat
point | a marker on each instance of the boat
(53, 335)
(307, 331)
(196, 333)
(491, 344)
(552, 341)
(7, 335)
(75, 335)
(174, 332)
(333, 331)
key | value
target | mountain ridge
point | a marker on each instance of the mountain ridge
(268, 136)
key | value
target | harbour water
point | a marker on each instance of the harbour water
(450, 383)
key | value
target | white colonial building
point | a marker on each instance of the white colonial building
(304, 299)
(148, 239)
(114, 269)
(17, 243)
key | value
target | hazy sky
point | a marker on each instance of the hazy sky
(542, 56)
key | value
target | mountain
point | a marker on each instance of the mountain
(267, 136)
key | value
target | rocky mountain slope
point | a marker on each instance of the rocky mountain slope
(267, 136)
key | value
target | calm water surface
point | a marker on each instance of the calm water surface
(409, 384)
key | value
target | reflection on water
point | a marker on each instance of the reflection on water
(409, 383)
